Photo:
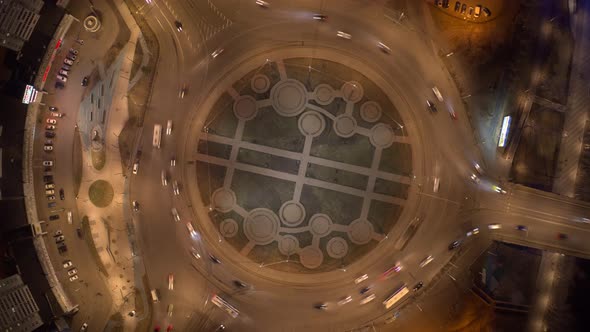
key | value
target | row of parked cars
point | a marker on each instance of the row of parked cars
(463, 8)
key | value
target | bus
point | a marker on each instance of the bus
(157, 135)
(221, 303)
(396, 296)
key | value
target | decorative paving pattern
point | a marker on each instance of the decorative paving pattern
(294, 185)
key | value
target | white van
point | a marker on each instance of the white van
(155, 297)
(157, 135)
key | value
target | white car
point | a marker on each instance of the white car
(135, 168)
(175, 188)
(195, 253)
(474, 231)
(49, 192)
(56, 114)
(361, 279)
(437, 94)
(343, 35)
(173, 162)
(68, 62)
(50, 186)
(63, 73)
(58, 232)
(51, 121)
(426, 261)
(51, 198)
(47, 163)
(169, 127)
(384, 48)
(48, 147)
(74, 278)
(217, 52)
(262, 3)
(190, 228)
(74, 51)
(72, 272)
(71, 56)
(345, 300)
(170, 281)
(175, 214)
(62, 78)
(67, 264)
(84, 327)
(60, 239)
(164, 178)
(494, 226)
(436, 184)
(368, 299)
(69, 214)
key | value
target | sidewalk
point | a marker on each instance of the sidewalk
(109, 226)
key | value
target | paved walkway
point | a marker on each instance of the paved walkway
(111, 227)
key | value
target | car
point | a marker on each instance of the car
(54, 217)
(61, 194)
(477, 11)
(431, 107)
(52, 108)
(170, 308)
(396, 268)
(63, 73)
(345, 300)
(437, 93)
(195, 253)
(426, 261)
(470, 13)
(463, 8)
(418, 286)
(361, 279)
(239, 284)
(68, 62)
(47, 163)
(51, 204)
(61, 247)
(175, 214)
(74, 51)
(169, 127)
(69, 215)
(452, 113)
(367, 299)
(365, 290)
(56, 114)
(214, 259)
(59, 85)
(135, 168)
(473, 231)
(72, 272)
(474, 178)
(85, 81)
(175, 188)
(58, 233)
(457, 6)
(343, 35)
(486, 12)
(499, 190)
(62, 78)
(47, 147)
(445, 4)
(74, 278)
(217, 52)
(79, 232)
(454, 244)
(320, 17)
(562, 236)
(170, 281)
(478, 168)
(50, 127)
(173, 161)
(262, 4)
(71, 56)
(135, 206)
(436, 184)
(49, 186)
(51, 198)
(521, 228)
(494, 226)
(190, 228)
(178, 26)
(321, 306)
(384, 48)
(66, 67)
(182, 92)
(60, 239)
(84, 327)
(67, 264)
(49, 192)
(49, 134)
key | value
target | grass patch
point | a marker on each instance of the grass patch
(99, 158)
(101, 193)
(91, 246)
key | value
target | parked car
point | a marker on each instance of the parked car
(51, 198)
(84, 327)
(457, 6)
(49, 192)
(85, 81)
(66, 67)
(48, 148)
(178, 26)
(72, 272)
(74, 278)
(71, 56)
(74, 51)
(62, 78)
(49, 186)
(56, 114)
(68, 62)
(135, 206)
(49, 134)
(62, 194)
(67, 264)
(50, 127)
(58, 232)
(47, 163)
(51, 205)
(51, 121)
(60, 239)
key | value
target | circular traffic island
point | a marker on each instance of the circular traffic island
(101, 193)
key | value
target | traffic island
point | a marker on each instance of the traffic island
(101, 193)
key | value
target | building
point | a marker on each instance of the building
(18, 310)
(18, 19)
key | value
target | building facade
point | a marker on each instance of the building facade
(18, 19)
(18, 310)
